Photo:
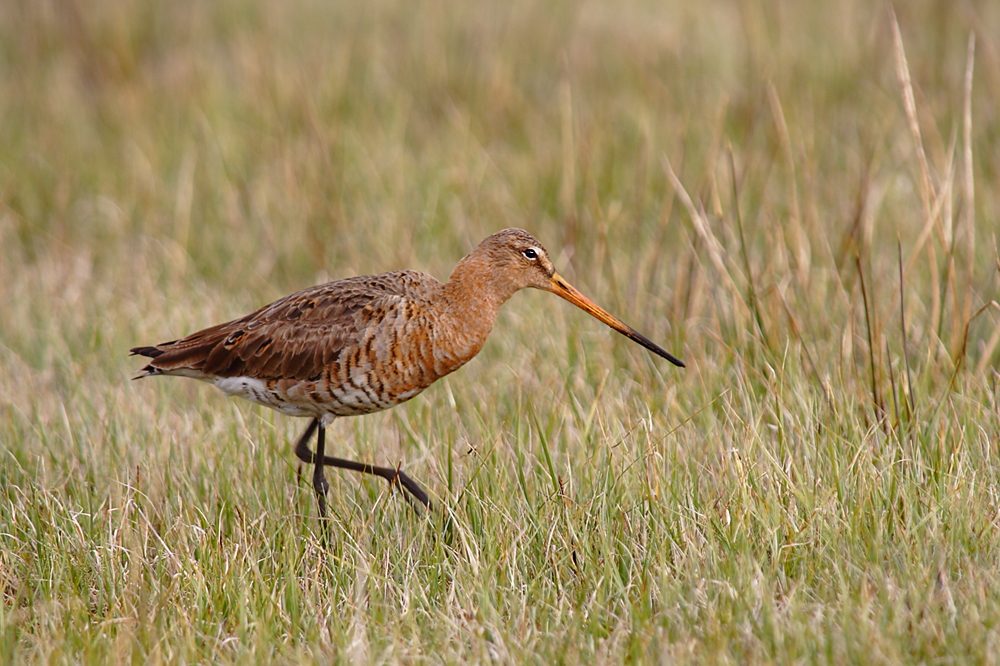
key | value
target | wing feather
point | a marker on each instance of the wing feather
(296, 337)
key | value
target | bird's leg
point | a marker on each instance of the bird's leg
(320, 484)
(302, 446)
(319, 479)
(392, 475)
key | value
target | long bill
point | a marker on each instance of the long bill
(559, 286)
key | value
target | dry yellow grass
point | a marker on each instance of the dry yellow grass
(820, 484)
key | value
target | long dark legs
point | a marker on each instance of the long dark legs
(320, 483)
(321, 460)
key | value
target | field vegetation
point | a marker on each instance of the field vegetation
(798, 199)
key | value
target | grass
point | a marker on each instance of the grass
(796, 201)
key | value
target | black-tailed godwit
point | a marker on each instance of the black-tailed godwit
(364, 344)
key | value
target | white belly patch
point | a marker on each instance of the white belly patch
(255, 390)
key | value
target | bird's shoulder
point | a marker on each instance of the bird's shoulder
(297, 336)
(337, 303)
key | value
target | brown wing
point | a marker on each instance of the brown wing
(295, 337)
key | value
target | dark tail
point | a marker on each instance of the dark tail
(149, 352)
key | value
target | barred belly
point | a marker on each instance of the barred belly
(312, 398)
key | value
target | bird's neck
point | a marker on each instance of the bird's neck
(478, 286)
(472, 296)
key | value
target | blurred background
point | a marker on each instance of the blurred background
(153, 152)
(795, 198)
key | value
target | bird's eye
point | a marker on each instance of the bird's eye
(530, 254)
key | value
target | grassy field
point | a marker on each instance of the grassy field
(795, 198)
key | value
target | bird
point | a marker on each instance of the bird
(364, 344)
